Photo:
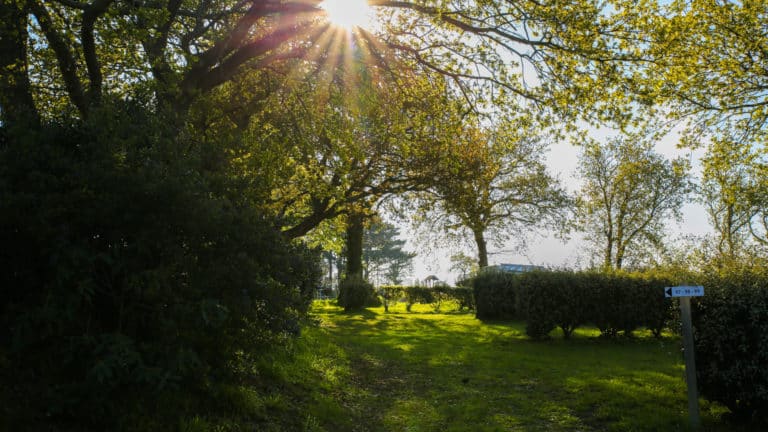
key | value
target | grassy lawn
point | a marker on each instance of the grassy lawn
(426, 371)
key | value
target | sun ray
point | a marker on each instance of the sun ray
(348, 14)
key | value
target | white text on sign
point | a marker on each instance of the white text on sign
(684, 291)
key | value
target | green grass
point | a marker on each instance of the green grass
(426, 371)
(449, 372)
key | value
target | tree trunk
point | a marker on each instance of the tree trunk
(619, 256)
(608, 253)
(17, 108)
(354, 241)
(482, 249)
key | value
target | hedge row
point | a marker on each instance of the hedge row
(423, 295)
(730, 321)
(547, 299)
(731, 338)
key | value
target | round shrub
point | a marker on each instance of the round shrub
(356, 293)
(463, 296)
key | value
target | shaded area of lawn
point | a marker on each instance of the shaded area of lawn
(425, 371)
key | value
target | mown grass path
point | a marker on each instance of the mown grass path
(425, 371)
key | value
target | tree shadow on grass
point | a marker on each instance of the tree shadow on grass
(412, 372)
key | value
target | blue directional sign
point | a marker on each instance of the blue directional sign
(684, 291)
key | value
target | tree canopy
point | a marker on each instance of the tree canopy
(78, 54)
(629, 193)
(493, 184)
(709, 67)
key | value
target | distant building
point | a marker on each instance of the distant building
(515, 268)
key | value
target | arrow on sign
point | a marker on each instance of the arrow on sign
(684, 291)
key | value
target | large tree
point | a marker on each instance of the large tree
(344, 147)
(493, 185)
(84, 53)
(629, 192)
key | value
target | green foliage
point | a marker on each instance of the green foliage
(613, 302)
(391, 293)
(383, 253)
(449, 371)
(629, 193)
(135, 269)
(419, 294)
(462, 295)
(490, 183)
(551, 299)
(423, 295)
(356, 293)
(495, 293)
(731, 338)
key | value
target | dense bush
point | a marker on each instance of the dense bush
(356, 293)
(552, 299)
(495, 293)
(613, 302)
(418, 294)
(731, 339)
(132, 269)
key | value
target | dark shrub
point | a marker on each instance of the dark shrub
(605, 302)
(573, 301)
(551, 299)
(731, 338)
(356, 293)
(657, 311)
(536, 304)
(129, 273)
(494, 293)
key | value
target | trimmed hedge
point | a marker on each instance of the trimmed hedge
(425, 295)
(494, 293)
(731, 338)
(613, 302)
(730, 321)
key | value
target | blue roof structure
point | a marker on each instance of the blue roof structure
(516, 268)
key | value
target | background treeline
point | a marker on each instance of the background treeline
(730, 320)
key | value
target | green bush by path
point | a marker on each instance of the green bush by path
(356, 293)
(136, 275)
(731, 338)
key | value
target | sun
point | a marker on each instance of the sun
(348, 14)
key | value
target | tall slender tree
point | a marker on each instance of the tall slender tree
(383, 253)
(629, 192)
